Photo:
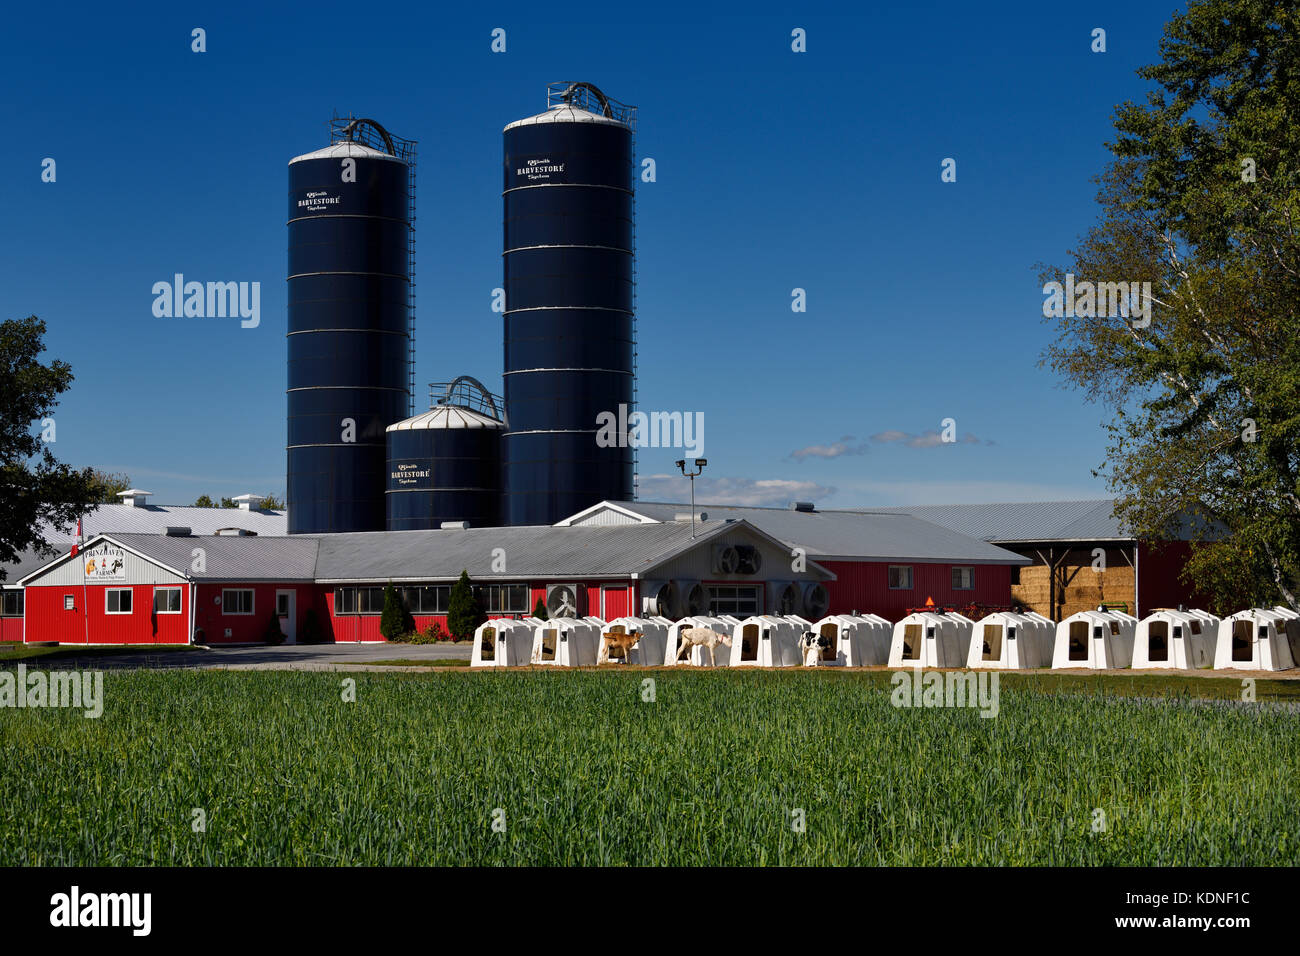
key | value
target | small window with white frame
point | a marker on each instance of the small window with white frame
(69, 602)
(167, 600)
(963, 579)
(117, 601)
(11, 603)
(900, 577)
(237, 601)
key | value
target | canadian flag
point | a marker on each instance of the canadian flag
(76, 545)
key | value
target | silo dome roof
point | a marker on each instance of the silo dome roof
(344, 150)
(446, 416)
(565, 113)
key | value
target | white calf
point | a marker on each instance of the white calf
(706, 637)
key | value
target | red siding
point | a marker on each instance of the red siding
(864, 586)
(11, 628)
(617, 601)
(1159, 565)
(245, 628)
(87, 622)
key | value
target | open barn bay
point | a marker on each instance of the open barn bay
(211, 767)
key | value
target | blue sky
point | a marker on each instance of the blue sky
(775, 170)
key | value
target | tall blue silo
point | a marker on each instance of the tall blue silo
(569, 310)
(349, 329)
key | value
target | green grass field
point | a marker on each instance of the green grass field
(587, 772)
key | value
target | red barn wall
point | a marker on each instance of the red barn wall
(88, 622)
(246, 628)
(864, 586)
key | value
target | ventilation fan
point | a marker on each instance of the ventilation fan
(562, 600)
(788, 602)
(659, 598)
(697, 601)
(750, 559)
(726, 559)
(816, 601)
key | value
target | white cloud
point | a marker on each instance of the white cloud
(927, 439)
(745, 492)
(836, 450)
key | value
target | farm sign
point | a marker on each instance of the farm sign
(104, 562)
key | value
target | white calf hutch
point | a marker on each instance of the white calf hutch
(1176, 639)
(566, 642)
(856, 640)
(699, 655)
(649, 650)
(1097, 640)
(502, 643)
(931, 639)
(767, 641)
(1012, 640)
(1258, 639)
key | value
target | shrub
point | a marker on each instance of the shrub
(273, 635)
(464, 613)
(539, 611)
(311, 632)
(396, 620)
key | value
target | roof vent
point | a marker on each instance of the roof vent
(178, 531)
(803, 506)
(249, 502)
(235, 532)
(134, 497)
(455, 525)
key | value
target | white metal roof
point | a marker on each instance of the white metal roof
(446, 416)
(564, 113)
(344, 150)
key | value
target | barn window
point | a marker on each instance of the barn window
(69, 602)
(237, 601)
(167, 600)
(900, 577)
(503, 598)
(117, 601)
(739, 600)
(345, 601)
(370, 600)
(963, 579)
(12, 604)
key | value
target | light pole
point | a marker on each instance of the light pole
(699, 469)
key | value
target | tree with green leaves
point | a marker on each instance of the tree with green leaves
(107, 485)
(272, 503)
(203, 501)
(35, 488)
(539, 610)
(395, 620)
(464, 612)
(1202, 200)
